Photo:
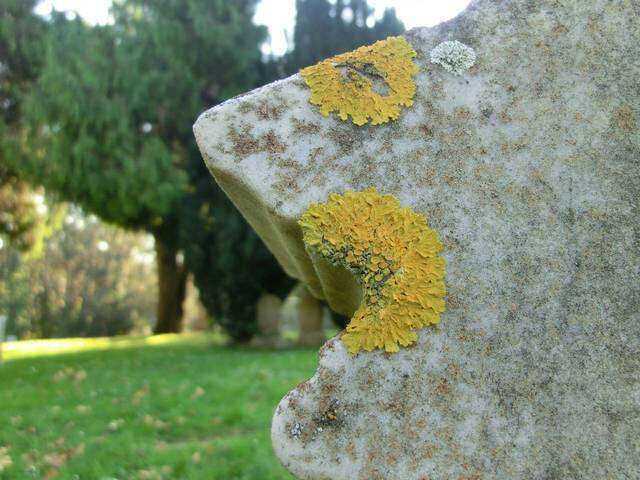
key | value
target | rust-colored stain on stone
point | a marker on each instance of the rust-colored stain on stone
(624, 119)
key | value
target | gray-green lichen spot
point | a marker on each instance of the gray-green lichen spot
(454, 57)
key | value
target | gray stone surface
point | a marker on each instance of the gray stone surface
(269, 319)
(528, 166)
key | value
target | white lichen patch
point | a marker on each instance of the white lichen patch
(296, 430)
(454, 57)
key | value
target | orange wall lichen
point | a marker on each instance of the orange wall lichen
(395, 257)
(352, 92)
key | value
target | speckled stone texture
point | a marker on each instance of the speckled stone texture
(528, 166)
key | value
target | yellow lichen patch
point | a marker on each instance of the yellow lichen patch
(394, 256)
(343, 83)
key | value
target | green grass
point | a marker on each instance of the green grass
(165, 407)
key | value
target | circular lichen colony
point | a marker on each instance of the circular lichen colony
(455, 56)
(345, 83)
(394, 256)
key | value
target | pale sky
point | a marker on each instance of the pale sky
(279, 15)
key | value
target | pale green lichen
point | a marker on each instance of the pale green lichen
(352, 93)
(395, 257)
(454, 57)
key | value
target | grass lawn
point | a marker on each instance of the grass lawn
(165, 407)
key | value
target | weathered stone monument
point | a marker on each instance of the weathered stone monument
(512, 152)
(269, 316)
(310, 319)
(3, 324)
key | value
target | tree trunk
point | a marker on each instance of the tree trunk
(172, 282)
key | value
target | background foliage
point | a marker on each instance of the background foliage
(100, 117)
(90, 280)
(20, 59)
